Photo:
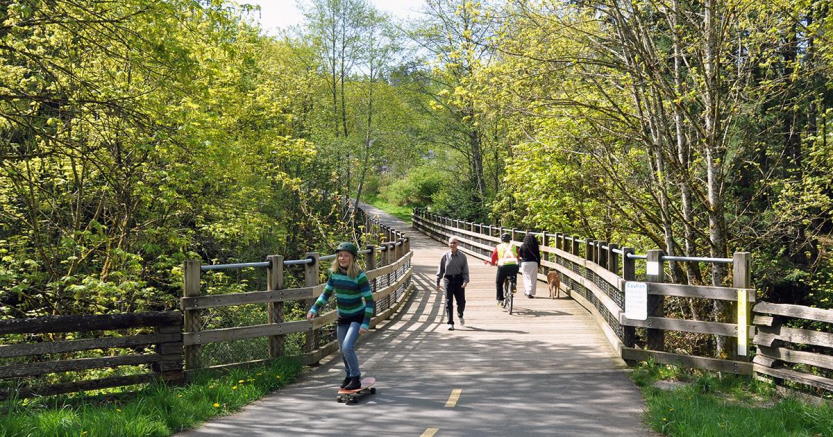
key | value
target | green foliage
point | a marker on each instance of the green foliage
(416, 189)
(158, 410)
(137, 134)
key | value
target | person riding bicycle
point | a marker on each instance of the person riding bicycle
(505, 256)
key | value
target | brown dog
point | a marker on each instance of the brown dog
(554, 284)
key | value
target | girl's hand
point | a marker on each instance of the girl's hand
(362, 331)
(310, 316)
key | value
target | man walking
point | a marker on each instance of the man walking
(454, 275)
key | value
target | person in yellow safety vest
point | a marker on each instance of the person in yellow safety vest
(505, 257)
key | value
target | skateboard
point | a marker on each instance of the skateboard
(353, 396)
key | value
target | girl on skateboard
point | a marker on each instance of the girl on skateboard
(354, 301)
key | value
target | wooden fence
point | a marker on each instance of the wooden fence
(596, 275)
(31, 359)
(168, 343)
(388, 267)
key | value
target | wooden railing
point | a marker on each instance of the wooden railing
(596, 274)
(388, 269)
(168, 343)
(780, 346)
(25, 361)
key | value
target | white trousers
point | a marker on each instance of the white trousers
(530, 272)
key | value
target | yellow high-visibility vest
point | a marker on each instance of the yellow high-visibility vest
(507, 254)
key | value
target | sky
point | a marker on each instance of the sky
(280, 14)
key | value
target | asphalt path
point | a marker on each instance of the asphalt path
(544, 370)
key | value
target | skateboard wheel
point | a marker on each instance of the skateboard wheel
(373, 390)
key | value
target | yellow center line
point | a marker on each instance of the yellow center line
(454, 397)
(429, 432)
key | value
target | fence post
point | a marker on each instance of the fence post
(311, 280)
(576, 248)
(601, 259)
(742, 279)
(170, 369)
(628, 274)
(655, 273)
(588, 249)
(192, 322)
(612, 264)
(274, 310)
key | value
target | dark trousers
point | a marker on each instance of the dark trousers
(504, 272)
(454, 291)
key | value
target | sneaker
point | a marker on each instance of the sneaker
(530, 296)
(354, 384)
(345, 382)
(500, 302)
(450, 326)
(462, 321)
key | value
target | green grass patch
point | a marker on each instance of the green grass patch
(401, 212)
(708, 405)
(157, 410)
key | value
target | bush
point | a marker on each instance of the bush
(416, 189)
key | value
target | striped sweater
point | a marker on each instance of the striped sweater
(354, 300)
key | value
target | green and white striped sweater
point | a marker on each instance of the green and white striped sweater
(354, 299)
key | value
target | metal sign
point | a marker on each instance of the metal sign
(636, 300)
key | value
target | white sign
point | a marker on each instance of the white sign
(636, 300)
(652, 268)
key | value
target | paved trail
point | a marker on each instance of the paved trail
(545, 370)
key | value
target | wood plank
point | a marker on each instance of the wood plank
(763, 320)
(313, 357)
(792, 375)
(77, 386)
(239, 333)
(798, 357)
(35, 369)
(393, 309)
(384, 292)
(49, 324)
(251, 297)
(611, 336)
(696, 326)
(800, 336)
(324, 319)
(464, 231)
(611, 306)
(764, 360)
(692, 361)
(764, 339)
(20, 350)
(699, 291)
(797, 311)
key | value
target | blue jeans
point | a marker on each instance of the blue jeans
(347, 336)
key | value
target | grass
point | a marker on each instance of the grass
(401, 212)
(729, 406)
(157, 410)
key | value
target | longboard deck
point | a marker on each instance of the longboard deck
(353, 396)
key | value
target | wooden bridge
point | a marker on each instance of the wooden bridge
(555, 367)
(545, 370)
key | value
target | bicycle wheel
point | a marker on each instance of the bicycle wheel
(507, 293)
(511, 297)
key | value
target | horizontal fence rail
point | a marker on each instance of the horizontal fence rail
(26, 365)
(51, 355)
(596, 274)
(388, 268)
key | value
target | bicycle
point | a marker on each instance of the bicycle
(510, 286)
